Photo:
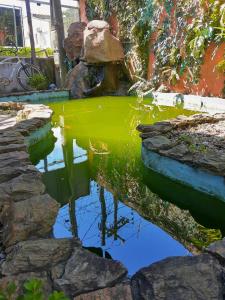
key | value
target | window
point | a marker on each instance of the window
(10, 26)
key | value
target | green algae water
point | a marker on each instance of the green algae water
(91, 164)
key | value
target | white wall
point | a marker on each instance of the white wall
(41, 26)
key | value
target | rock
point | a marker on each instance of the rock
(23, 187)
(28, 219)
(160, 127)
(14, 159)
(37, 255)
(11, 139)
(217, 248)
(20, 279)
(10, 172)
(77, 80)
(211, 162)
(84, 79)
(85, 272)
(157, 143)
(177, 152)
(96, 80)
(180, 278)
(74, 42)
(12, 147)
(146, 135)
(118, 292)
(100, 45)
(98, 24)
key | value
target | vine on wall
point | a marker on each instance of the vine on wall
(197, 22)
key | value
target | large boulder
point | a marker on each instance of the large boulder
(86, 272)
(180, 278)
(37, 255)
(97, 80)
(82, 78)
(28, 219)
(74, 42)
(22, 187)
(100, 45)
(77, 80)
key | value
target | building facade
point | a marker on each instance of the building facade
(14, 26)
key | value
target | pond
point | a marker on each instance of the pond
(91, 164)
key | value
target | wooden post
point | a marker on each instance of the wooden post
(57, 30)
(31, 34)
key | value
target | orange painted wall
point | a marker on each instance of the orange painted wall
(83, 15)
(211, 81)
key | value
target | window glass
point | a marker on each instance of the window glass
(10, 26)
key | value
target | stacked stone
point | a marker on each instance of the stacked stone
(27, 216)
(176, 138)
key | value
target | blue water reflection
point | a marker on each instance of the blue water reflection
(129, 238)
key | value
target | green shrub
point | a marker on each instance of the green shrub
(39, 82)
(221, 66)
(33, 290)
(26, 52)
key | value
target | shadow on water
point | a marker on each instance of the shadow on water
(108, 198)
(206, 209)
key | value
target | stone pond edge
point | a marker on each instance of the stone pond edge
(60, 262)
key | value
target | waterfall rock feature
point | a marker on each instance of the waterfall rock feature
(74, 42)
(100, 70)
(100, 46)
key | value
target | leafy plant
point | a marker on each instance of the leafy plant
(171, 73)
(26, 52)
(221, 66)
(38, 82)
(198, 44)
(33, 290)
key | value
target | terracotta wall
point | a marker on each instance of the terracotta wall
(83, 15)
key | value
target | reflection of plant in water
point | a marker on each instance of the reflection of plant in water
(120, 178)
